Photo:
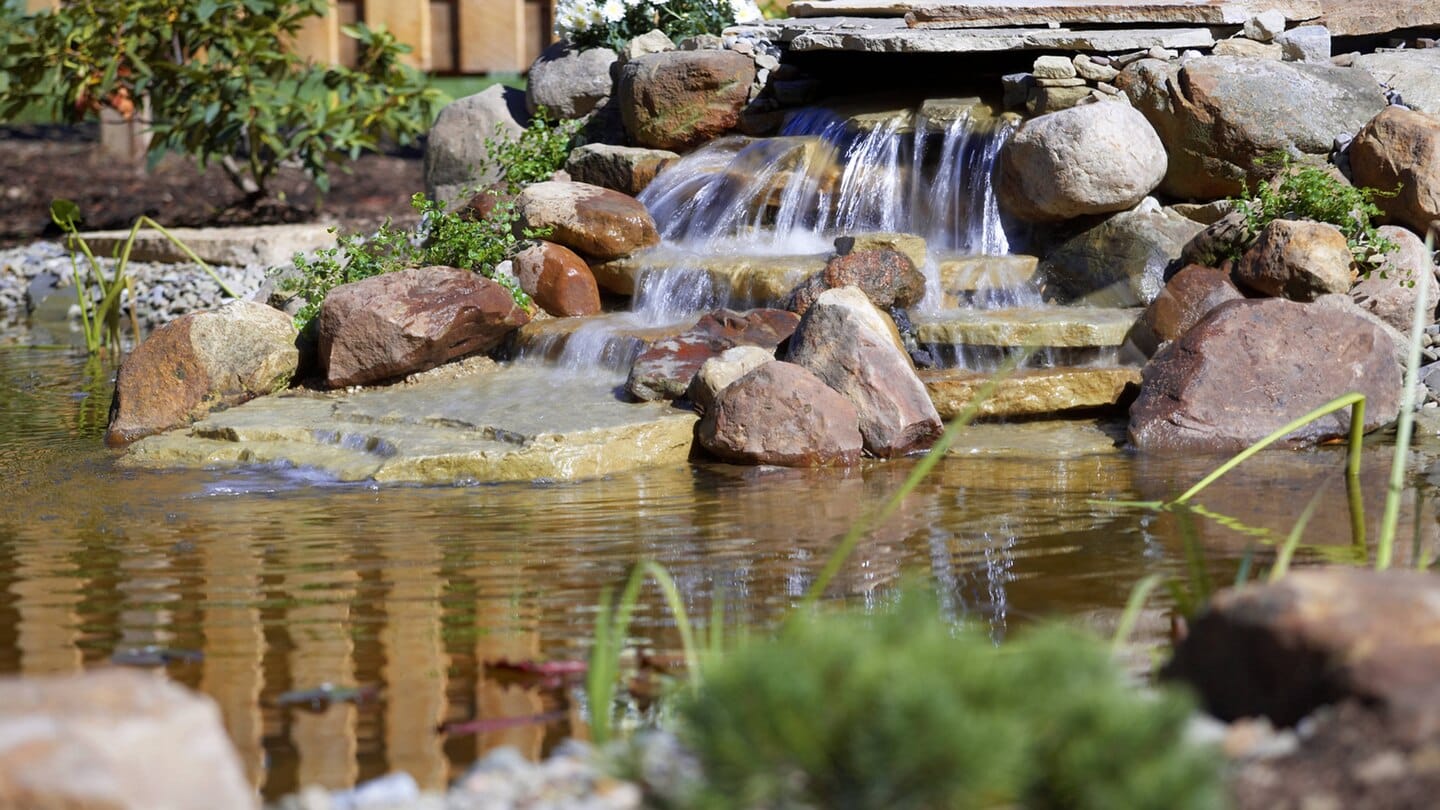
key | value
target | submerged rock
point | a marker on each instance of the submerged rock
(593, 221)
(666, 368)
(398, 323)
(1090, 159)
(850, 345)
(199, 362)
(116, 739)
(1251, 366)
(782, 414)
(1297, 259)
(1400, 150)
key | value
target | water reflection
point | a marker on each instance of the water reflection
(285, 583)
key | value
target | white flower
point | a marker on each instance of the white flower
(745, 11)
(613, 11)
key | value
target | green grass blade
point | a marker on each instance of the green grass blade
(1385, 549)
(671, 593)
(1292, 540)
(1131, 615)
(1355, 401)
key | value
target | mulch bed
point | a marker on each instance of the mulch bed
(40, 164)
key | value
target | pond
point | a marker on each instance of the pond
(263, 581)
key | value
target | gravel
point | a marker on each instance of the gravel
(163, 292)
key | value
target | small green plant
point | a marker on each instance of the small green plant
(535, 155)
(1309, 192)
(899, 710)
(214, 79)
(98, 297)
(444, 238)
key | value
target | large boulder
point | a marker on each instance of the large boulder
(593, 221)
(558, 279)
(399, 323)
(456, 163)
(1220, 121)
(1090, 159)
(1390, 290)
(849, 344)
(1414, 74)
(1120, 262)
(680, 99)
(1187, 298)
(1283, 649)
(569, 83)
(887, 277)
(1249, 367)
(1297, 259)
(666, 368)
(1400, 148)
(784, 415)
(199, 362)
(626, 169)
(115, 739)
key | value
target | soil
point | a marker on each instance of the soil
(40, 164)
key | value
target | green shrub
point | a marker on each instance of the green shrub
(898, 710)
(1309, 192)
(448, 238)
(219, 82)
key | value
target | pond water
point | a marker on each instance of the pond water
(282, 581)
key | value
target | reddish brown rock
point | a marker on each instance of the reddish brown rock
(723, 369)
(398, 323)
(848, 343)
(115, 739)
(665, 370)
(680, 99)
(483, 203)
(1186, 298)
(1297, 259)
(1249, 367)
(887, 277)
(593, 221)
(200, 362)
(784, 415)
(1282, 650)
(1400, 148)
(558, 279)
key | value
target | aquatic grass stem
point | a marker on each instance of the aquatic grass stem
(861, 527)
(1131, 615)
(1385, 549)
(1292, 541)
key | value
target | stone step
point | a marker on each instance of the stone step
(749, 281)
(612, 339)
(514, 423)
(1003, 13)
(890, 35)
(1042, 327)
(967, 274)
(1030, 392)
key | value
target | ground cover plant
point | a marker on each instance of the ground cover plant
(453, 238)
(213, 79)
(1300, 191)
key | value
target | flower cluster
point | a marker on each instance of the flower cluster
(612, 23)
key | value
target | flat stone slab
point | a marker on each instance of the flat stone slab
(1071, 327)
(1413, 72)
(1030, 392)
(1049, 439)
(515, 423)
(1000, 13)
(967, 274)
(268, 245)
(748, 281)
(872, 35)
(612, 335)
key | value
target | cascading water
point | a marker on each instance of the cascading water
(778, 203)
